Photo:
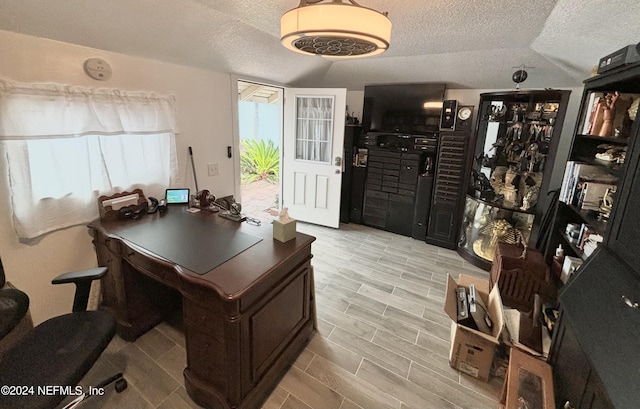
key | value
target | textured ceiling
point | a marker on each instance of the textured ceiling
(464, 43)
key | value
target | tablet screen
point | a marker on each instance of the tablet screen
(177, 196)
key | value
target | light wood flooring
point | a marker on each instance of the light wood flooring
(382, 341)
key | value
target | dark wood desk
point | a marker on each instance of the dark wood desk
(245, 320)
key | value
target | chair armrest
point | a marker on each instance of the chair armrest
(82, 280)
(84, 275)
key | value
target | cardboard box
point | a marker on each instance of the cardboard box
(471, 350)
(529, 383)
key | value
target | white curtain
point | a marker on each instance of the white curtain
(314, 128)
(67, 145)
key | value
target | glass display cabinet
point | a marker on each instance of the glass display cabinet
(485, 224)
(516, 139)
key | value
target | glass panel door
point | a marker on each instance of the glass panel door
(314, 127)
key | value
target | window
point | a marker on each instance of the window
(66, 146)
(314, 124)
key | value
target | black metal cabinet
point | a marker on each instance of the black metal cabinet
(400, 215)
(375, 208)
(390, 190)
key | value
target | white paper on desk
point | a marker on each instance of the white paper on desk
(512, 323)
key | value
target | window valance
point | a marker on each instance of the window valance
(45, 110)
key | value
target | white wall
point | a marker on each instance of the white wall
(203, 102)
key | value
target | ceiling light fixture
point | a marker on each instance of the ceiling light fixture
(335, 29)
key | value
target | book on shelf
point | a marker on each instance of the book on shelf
(564, 187)
(576, 175)
(592, 110)
(585, 231)
(591, 243)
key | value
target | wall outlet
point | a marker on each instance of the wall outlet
(213, 169)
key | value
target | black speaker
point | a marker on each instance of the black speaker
(357, 194)
(448, 115)
(422, 206)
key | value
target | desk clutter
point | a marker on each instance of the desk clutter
(124, 205)
(134, 204)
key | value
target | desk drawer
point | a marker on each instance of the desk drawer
(162, 271)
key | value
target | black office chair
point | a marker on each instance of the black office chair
(58, 352)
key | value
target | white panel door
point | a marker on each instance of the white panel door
(312, 154)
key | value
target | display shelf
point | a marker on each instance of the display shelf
(590, 217)
(515, 143)
(485, 225)
(503, 206)
(613, 168)
(584, 147)
(620, 141)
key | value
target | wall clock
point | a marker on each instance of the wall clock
(464, 113)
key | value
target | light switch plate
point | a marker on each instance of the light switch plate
(213, 169)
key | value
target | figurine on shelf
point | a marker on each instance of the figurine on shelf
(633, 109)
(496, 112)
(497, 178)
(612, 153)
(607, 204)
(530, 197)
(498, 230)
(608, 112)
(515, 142)
(482, 186)
(509, 189)
(531, 159)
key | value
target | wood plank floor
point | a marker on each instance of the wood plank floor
(383, 339)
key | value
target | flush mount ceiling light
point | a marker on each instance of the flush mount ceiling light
(335, 29)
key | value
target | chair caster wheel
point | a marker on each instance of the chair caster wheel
(121, 384)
